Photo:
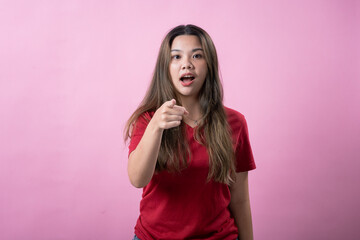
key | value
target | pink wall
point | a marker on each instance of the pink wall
(71, 72)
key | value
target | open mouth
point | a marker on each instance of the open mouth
(187, 79)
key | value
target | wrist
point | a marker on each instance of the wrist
(155, 128)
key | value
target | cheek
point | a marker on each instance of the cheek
(203, 67)
(173, 68)
(204, 71)
(172, 71)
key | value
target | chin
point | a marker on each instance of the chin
(187, 94)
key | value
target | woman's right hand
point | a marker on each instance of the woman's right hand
(169, 115)
(142, 160)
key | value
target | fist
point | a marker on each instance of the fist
(169, 115)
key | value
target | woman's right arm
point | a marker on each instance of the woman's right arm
(142, 160)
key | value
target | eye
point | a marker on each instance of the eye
(197, 56)
(175, 56)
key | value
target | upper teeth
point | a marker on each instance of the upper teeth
(187, 76)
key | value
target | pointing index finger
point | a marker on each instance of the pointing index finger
(172, 103)
(177, 107)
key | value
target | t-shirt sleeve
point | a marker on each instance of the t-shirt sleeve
(138, 130)
(243, 152)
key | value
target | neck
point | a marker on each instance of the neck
(192, 105)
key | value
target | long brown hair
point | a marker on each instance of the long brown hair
(213, 132)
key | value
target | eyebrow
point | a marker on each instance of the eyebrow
(194, 50)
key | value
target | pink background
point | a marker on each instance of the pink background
(72, 72)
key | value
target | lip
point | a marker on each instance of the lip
(187, 83)
(189, 74)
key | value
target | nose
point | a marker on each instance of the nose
(187, 64)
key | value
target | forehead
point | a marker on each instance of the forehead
(186, 42)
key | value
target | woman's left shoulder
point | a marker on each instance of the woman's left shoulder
(234, 116)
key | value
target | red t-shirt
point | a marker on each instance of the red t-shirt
(184, 205)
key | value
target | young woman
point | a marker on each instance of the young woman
(188, 152)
